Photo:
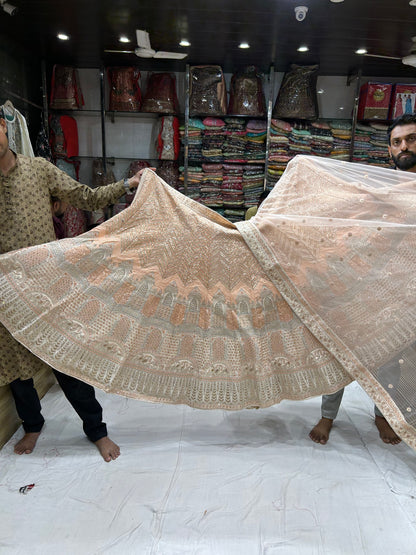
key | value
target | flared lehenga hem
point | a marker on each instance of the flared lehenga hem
(168, 302)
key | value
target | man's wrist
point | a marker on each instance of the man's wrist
(126, 184)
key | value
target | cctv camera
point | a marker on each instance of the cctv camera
(300, 12)
(8, 8)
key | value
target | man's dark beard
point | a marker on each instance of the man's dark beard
(404, 163)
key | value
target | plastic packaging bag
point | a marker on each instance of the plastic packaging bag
(208, 94)
(160, 94)
(125, 93)
(297, 95)
(246, 94)
(66, 91)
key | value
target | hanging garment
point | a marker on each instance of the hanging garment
(66, 91)
(63, 136)
(160, 94)
(75, 220)
(99, 178)
(17, 130)
(170, 302)
(168, 142)
(43, 147)
(125, 93)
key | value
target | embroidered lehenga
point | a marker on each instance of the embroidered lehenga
(170, 302)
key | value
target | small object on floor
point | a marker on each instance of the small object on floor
(26, 489)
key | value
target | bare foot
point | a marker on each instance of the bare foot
(26, 445)
(320, 432)
(387, 434)
(108, 449)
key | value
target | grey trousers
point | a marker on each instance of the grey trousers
(389, 373)
(331, 403)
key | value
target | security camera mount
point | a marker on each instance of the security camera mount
(300, 13)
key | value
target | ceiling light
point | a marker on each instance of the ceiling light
(124, 39)
(320, 91)
(184, 42)
(8, 8)
(244, 45)
(361, 51)
(337, 1)
(62, 36)
(303, 48)
(412, 3)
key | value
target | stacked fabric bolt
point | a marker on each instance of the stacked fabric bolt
(362, 143)
(195, 130)
(256, 139)
(210, 185)
(300, 140)
(253, 184)
(341, 131)
(279, 154)
(232, 191)
(234, 145)
(322, 139)
(195, 175)
(213, 139)
(379, 155)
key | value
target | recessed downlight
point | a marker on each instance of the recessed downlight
(123, 38)
(361, 51)
(184, 42)
(244, 45)
(63, 36)
(303, 48)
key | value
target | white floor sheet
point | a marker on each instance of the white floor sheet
(192, 482)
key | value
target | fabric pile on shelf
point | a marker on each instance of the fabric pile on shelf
(232, 192)
(195, 176)
(210, 188)
(278, 151)
(253, 184)
(213, 139)
(256, 139)
(362, 143)
(371, 144)
(300, 140)
(341, 130)
(219, 150)
(322, 139)
(195, 128)
(319, 138)
(234, 147)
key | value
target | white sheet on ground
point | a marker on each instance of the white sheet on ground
(210, 483)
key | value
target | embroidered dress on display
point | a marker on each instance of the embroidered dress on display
(170, 302)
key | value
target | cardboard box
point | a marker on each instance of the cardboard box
(403, 100)
(374, 102)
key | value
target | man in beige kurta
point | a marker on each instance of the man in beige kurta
(26, 187)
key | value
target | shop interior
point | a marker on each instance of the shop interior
(190, 481)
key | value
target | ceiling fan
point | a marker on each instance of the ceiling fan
(144, 50)
(409, 60)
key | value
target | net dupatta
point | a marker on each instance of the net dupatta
(339, 242)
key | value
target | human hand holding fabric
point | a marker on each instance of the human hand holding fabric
(133, 182)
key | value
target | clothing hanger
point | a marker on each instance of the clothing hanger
(8, 105)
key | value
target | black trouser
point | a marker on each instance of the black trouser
(79, 394)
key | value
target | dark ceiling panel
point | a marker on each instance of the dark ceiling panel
(215, 28)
